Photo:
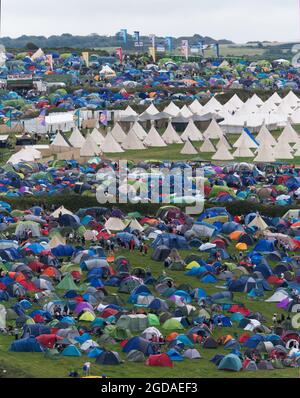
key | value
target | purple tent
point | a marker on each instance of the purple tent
(284, 303)
(82, 307)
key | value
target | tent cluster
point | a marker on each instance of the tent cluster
(152, 318)
(107, 75)
(261, 183)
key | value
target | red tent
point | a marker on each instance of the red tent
(48, 340)
(36, 266)
(29, 286)
(109, 312)
(160, 360)
(244, 337)
(38, 319)
(274, 280)
(241, 309)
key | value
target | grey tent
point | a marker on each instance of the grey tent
(161, 253)
(192, 353)
(135, 356)
(108, 358)
(134, 323)
(104, 340)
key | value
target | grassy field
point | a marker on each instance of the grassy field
(225, 51)
(172, 152)
(35, 365)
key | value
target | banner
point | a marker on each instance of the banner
(76, 117)
(49, 61)
(86, 58)
(201, 47)
(161, 48)
(185, 48)
(216, 49)
(136, 36)
(194, 49)
(153, 40)
(123, 34)
(7, 119)
(169, 43)
(104, 118)
(152, 52)
(119, 53)
(42, 117)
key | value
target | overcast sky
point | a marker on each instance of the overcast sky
(236, 20)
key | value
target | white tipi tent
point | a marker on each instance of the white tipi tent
(110, 145)
(233, 104)
(97, 137)
(243, 150)
(213, 131)
(247, 141)
(283, 150)
(265, 154)
(132, 142)
(289, 134)
(153, 139)
(189, 149)
(170, 136)
(76, 139)
(191, 133)
(223, 141)
(118, 133)
(212, 106)
(59, 141)
(196, 107)
(265, 136)
(139, 131)
(89, 148)
(172, 109)
(207, 147)
(222, 154)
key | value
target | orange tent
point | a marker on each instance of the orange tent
(17, 276)
(51, 272)
(171, 336)
(235, 235)
(296, 225)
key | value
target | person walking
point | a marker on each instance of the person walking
(86, 369)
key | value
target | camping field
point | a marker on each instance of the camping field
(35, 365)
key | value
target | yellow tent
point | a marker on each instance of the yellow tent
(87, 316)
(242, 246)
(193, 264)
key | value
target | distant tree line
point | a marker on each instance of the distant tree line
(93, 41)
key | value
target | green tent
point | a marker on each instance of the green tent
(153, 320)
(52, 354)
(117, 332)
(172, 324)
(217, 189)
(67, 283)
